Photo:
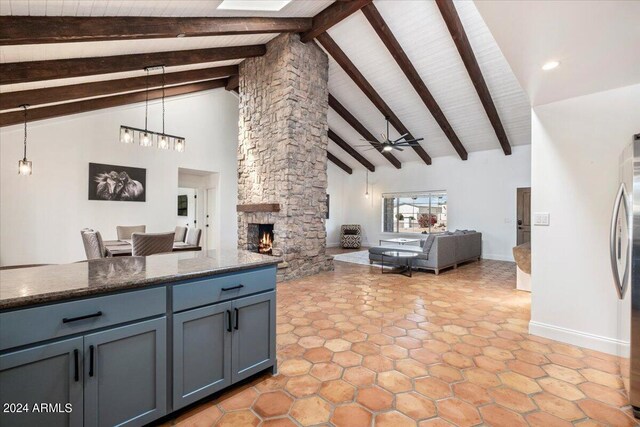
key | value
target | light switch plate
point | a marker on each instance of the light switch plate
(541, 218)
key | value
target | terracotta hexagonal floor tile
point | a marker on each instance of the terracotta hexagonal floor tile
(415, 405)
(489, 364)
(408, 342)
(497, 353)
(411, 368)
(602, 378)
(565, 374)
(482, 377)
(394, 331)
(377, 363)
(602, 365)
(271, 383)
(394, 381)
(471, 393)
(604, 394)
(359, 376)
(375, 398)
(303, 385)
(458, 360)
(272, 404)
(496, 415)
(293, 367)
(531, 357)
(337, 344)
(394, 351)
(279, 422)
(561, 388)
(351, 415)
(310, 411)
(393, 419)
(435, 422)
(317, 355)
(326, 371)
(347, 358)
(238, 418)
(238, 399)
(425, 356)
(365, 348)
(312, 341)
(432, 388)
(458, 412)
(337, 391)
(543, 419)
(512, 399)
(526, 369)
(446, 373)
(605, 413)
(561, 408)
(519, 382)
(567, 361)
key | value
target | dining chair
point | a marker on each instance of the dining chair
(125, 231)
(193, 236)
(181, 234)
(145, 244)
(93, 244)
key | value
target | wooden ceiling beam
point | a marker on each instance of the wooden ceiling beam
(21, 72)
(15, 117)
(384, 32)
(451, 18)
(19, 30)
(351, 151)
(350, 68)
(9, 100)
(331, 16)
(336, 161)
(359, 127)
(233, 83)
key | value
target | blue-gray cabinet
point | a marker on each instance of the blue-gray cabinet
(201, 353)
(221, 344)
(125, 375)
(50, 373)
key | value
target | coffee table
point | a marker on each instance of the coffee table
(400, 259)
(399, 240)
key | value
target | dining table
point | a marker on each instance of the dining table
(123, 247)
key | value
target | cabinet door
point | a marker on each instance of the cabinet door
(201, 353)
(125, 374)
(50, 374)
(254, 335)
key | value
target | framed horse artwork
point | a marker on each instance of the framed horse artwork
(117, 183)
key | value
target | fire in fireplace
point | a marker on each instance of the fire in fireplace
(260, 238)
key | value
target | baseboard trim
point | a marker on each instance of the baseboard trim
(582, 339)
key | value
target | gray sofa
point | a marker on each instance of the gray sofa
(446, 250)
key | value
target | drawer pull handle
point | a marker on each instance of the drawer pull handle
(87, 316)
(233, 288)
(237, 319)
(91, 360)
(229, 319)
(76, 373)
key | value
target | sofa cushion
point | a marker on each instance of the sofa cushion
(428, 243)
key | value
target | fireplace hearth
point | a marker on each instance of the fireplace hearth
(260, 238)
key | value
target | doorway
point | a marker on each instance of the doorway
(523, 215)
(199, 190)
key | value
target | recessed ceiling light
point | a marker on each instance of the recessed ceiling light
(550, 65)
(257, 5)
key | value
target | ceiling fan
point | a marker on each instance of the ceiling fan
(387, 144)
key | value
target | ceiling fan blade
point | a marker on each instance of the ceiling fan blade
(409, 141)
(402, 137)
(397, 148)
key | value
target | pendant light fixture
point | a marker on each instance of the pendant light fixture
(366, 193)
(24, 165)
(145, 137)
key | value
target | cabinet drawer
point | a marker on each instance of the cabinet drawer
(37, 324)
(224, 287)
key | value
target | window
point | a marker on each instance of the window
(424, 212)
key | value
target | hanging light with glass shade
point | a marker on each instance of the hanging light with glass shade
(25, 166)
(145, 137)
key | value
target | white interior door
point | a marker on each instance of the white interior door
(210, 219)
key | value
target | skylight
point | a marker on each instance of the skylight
(255, 5)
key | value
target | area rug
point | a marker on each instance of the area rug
(360, 257)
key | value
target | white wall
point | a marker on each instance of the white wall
(481, 194)
(337, 204)
(576, 145)
(41, 216)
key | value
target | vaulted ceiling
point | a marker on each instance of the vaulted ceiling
(396, 59)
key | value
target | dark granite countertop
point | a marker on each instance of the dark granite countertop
(37, 285)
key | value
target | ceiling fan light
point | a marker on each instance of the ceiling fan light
(387, 148)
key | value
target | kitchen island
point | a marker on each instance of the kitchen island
(126, 341)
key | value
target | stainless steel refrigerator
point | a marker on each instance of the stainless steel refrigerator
(625, 263)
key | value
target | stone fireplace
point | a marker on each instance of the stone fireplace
(282, 154)
(260, 238)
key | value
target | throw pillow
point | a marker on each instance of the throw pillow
(426, 248)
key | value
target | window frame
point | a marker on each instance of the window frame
(397, 196)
